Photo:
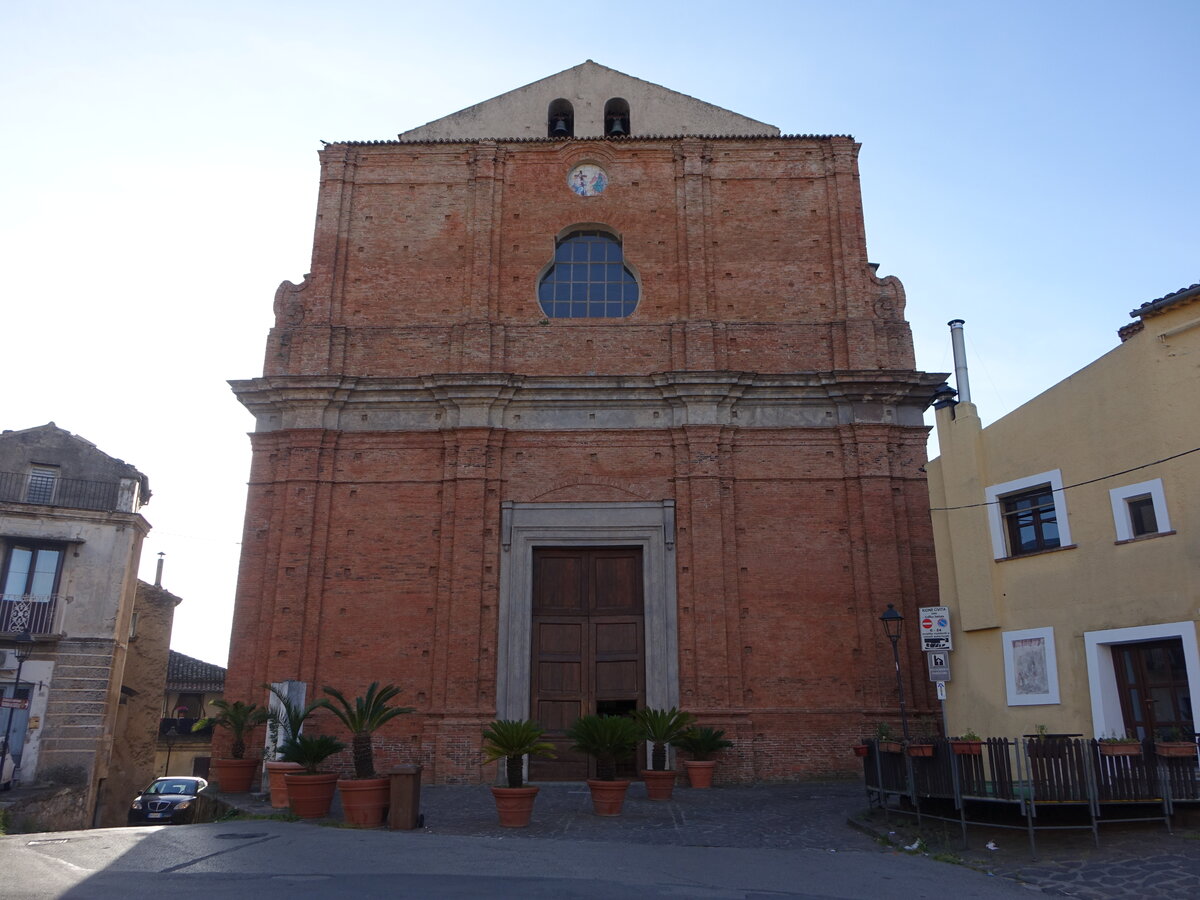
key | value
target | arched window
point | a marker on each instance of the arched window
(588, 280)
(616, 117)
(560, 119)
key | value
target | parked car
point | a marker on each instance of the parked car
(174, 800)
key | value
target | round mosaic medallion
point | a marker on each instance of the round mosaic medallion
(587, 180)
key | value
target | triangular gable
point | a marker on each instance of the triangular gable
(78, 457)
(523, 113)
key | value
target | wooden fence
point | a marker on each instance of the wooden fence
(1044, 784)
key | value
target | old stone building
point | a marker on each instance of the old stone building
(591, 400)
(71, 535)
(184, 740)
(133, 764)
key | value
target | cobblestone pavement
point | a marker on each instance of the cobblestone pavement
(1139, 860)
(801, 816)
(1133, 860)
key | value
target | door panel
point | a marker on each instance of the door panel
(587, 645)
(616, 582)
(1155, 695)
(558, 585)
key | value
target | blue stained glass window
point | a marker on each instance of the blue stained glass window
(588, 279)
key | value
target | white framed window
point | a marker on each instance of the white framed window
(1030, 667)
(1028, 515)
(1139, 510)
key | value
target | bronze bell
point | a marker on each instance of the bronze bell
(615, 126)
(560, 125)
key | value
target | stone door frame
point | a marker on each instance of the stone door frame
(523, 526)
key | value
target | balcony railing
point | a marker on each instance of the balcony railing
(182, 728)
(28, 612)
(74, 493)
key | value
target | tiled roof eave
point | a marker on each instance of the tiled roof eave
(196, 687)
(186, 673)
(1150, 307)
(613, 140)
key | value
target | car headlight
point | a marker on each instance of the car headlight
(137, 804)
(183, 805)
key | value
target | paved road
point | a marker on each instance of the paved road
(761, 841)
(268, 859)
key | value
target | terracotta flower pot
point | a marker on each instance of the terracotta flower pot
(514, 806)
(1175, 748)
(660, 784)
(233, 776)
(1110, 749)
(700, 772)
(889, 746)
(311, 795)
(365, 801)
(967, 748)
(920, 749)
(607, 796)
(275, 773)
(860, 749)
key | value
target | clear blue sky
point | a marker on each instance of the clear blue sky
(1027, 166)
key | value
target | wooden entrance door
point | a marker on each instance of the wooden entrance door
(588, 654)
(1154, 687)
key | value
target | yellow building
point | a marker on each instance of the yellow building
(1068, 543)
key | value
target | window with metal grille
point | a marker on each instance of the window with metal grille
(41, 484)
(1030, 521)
(588, 279)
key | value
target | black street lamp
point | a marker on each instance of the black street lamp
(170, 737)
(23, 649)
(892, 621)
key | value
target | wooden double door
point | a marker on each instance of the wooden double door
(1155, 694)
(587, 644)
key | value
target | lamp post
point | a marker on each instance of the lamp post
(171, 737)
(23, 649)
(892, 621)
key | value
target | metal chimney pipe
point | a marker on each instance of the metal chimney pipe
(960, 360)
(158, 571)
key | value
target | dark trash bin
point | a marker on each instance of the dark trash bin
(404, 813)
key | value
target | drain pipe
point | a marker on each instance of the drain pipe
(960, 360)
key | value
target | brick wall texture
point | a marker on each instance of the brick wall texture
(765, 383)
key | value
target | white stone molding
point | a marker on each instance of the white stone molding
(648, 525)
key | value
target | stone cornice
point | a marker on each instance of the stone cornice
(600, 402)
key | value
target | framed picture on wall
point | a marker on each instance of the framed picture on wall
(1030, 667)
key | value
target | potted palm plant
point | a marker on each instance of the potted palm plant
(310, 791)
(234, 775)
(364, 797)
(661, 727)
(284, 723)
(512, 740)
(702, 743)
(608, 740)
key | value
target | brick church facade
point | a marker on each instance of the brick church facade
(590, 401)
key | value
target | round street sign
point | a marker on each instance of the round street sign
(927, 623)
